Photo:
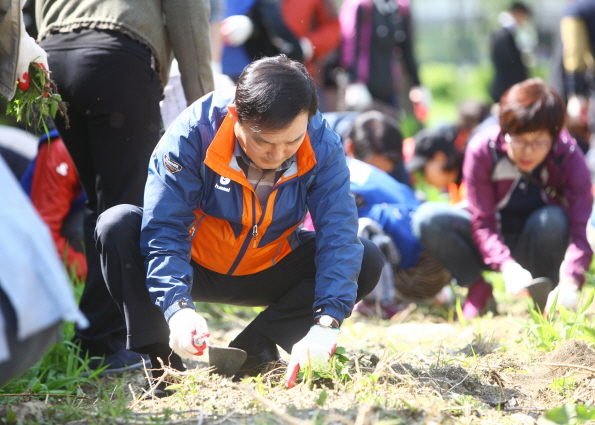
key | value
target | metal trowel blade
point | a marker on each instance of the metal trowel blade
(539, 290)
(226, 360)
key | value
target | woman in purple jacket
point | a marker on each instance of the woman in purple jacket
(529, 197)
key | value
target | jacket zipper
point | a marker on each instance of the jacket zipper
(254, 229)
(247, 240)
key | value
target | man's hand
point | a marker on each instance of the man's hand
(566, 293)
(188, 333)
(516, 278)
(29, 51)
(313, 350)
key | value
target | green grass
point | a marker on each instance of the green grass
(452, 84)
(61, 371)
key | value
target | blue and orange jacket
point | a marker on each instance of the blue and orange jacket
(198, 204)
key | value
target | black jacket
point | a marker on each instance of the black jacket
(508, 64)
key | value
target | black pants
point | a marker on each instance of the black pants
(287, 288)
(113, 96)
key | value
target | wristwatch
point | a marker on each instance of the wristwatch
(327, 321)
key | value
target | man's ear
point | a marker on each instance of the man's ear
(233, 112)
(348, 147)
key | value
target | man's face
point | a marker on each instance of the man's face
(268, 150)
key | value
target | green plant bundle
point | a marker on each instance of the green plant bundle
(548, 331)
(39, 102)
(336, 369)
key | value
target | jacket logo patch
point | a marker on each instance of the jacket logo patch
(62, 169)
(171, 165)
(224, 181)
(225, 189)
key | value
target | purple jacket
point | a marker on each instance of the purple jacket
(490, 184)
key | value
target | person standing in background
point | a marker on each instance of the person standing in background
(253, 29)
(506, 56)
(110, 60)
(316, 24)
(577, 31)
(372, 32)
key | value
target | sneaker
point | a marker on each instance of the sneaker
(480, 300)
(120, 361)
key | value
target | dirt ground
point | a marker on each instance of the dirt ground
(417, 369)
(422, 370)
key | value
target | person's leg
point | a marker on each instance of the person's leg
(445, 234)
(123, 130)
(23, 353)
(118, 242)
(106, 332)
(287, 289)
(541, 246)
(113, 96)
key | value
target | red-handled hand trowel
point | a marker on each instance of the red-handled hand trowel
(225, 360)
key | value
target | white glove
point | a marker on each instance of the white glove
(307, 48)
(236, 29)
(314, 349)
(567, 294)
(29, 51)
(516, 278)
(188, 333)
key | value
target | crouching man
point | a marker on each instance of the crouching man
(229, 185)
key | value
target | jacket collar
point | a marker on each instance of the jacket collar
(221, 159)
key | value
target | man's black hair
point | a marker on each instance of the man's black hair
(272, 92)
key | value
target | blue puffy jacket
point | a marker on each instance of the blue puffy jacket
(198, 204)
(390, 203)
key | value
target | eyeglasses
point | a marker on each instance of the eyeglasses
(518, 144)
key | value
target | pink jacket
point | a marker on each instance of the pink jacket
(489, 186)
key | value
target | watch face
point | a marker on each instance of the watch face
(325, 320)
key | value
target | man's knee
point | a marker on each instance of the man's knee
(372, 264)
(118, 223)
